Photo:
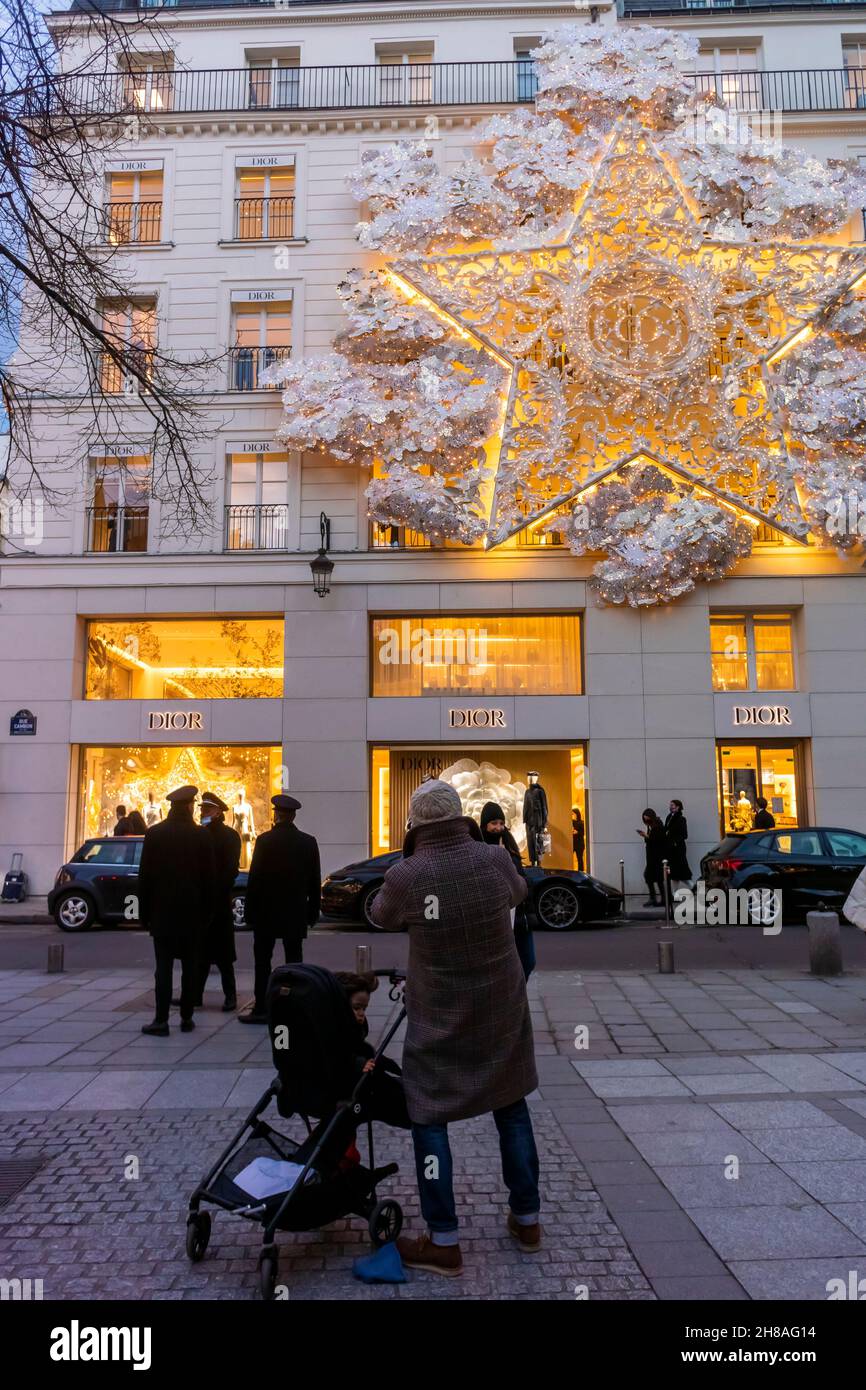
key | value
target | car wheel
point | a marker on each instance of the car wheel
(370, 895)
(557, 907)
(75, 912)
(239, 917)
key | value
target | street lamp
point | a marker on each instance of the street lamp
(320, 564)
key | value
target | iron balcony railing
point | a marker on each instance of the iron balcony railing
(116, 529)
(264, 526)
(115, 381)
(247, 365)
(384, 536)
(379, 85)
(127, 223)
(262, 219)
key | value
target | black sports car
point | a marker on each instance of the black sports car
(813, 865)
(99, 885)
(558, 898)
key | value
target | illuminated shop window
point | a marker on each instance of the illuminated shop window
(752, 652)
(747, 771)
(538, 654)
(140, 777)
(494, 773)
(185, 659)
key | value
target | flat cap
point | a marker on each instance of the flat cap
(211, 799)
(181, 795)
(283, 802)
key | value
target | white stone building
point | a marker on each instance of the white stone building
(147, 660)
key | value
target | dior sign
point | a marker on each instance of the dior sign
(761, 714)
(174, 719)
(476, 718)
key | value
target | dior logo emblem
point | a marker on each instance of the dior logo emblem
(476, 718)
(762, 714)
(174, 719)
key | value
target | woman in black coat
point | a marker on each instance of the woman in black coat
(677, 831)
(578, 836)
(656, 852)
(494, 831)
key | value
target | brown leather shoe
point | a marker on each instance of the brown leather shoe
(421, 1253)
(527, 1237)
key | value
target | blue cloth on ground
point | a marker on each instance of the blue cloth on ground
(384, 1266)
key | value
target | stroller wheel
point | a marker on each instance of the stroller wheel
(386, 1221)
(197, 1235)
(268, 1271)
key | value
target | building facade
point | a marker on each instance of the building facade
(134, 658)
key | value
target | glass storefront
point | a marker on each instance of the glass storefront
(139, 778)
(185, 659)
(534, 654)
(749, 770)
(493, 773)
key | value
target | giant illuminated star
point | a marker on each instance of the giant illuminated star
(634, 335)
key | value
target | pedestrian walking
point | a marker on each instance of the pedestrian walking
(578, 836)
(469, 1048)
(494, 831)
(120, 820)
(218, 941)
(134, 824)
(764, 819)
(677, 831)
(656, 842)
(284, 895)
(175, 903)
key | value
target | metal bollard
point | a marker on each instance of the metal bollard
(666, 958)
(55, 959)
(363, 959)
(622, 881)
(825, 943)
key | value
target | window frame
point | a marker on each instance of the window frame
(750, 619)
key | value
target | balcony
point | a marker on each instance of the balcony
(384, 536)
(494, 84)
(247, 365)
(116, 530)
(114, 381)
(633, 9)
(260, 527)
(128, 223)
(265, 219)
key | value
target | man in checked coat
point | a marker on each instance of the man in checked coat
(469, 1048)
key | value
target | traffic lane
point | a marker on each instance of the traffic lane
(629, 946)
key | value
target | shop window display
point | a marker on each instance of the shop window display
(480, 775)
(185, 659)
(139, 779)
(533, 654)
(747, 771)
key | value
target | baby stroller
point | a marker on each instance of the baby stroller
(314, 1042)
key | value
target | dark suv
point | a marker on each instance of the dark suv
(812, 865)
(99, 885)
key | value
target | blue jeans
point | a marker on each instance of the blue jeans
(519, 1170)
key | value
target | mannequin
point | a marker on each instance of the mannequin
(242, 820)
(152, 813)
(534, 816)
(742, 815)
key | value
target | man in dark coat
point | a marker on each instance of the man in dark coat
(284, 894)
(469, 1046)
(175, 902)
(218, 942)
(764, 819)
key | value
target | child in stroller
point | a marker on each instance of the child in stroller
(265, 1176)
(387, 1100)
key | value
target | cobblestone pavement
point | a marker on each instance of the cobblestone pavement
(88, 1231)
(705, 1139)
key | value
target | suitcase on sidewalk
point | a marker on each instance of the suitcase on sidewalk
(15, 882)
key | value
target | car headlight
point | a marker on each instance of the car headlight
(63, 877)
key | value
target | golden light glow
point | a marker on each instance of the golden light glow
(802, 336)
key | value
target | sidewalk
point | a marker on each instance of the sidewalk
(709, 1142)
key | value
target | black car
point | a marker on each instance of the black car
(558, 898)
(99, 885)
(809, 865)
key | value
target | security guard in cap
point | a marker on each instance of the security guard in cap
(218, 942)
(175, 902)
(284, 892)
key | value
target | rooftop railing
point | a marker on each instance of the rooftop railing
(372, 86)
